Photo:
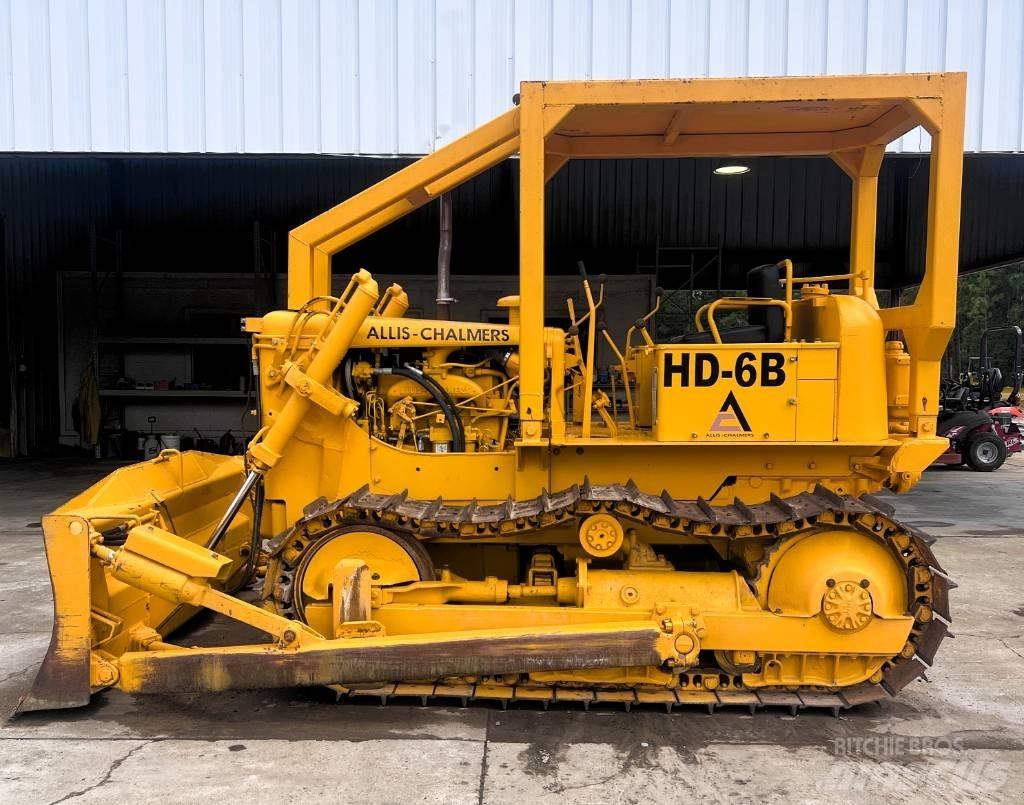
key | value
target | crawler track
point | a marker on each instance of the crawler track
(928, 584)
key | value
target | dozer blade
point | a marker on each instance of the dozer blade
(91, 613)
(63, 678)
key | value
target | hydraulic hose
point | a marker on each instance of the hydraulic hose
(256, 499)
(348, 382)
(441, 398)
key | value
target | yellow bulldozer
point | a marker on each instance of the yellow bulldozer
(454, 509)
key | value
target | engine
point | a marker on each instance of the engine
(435, 400)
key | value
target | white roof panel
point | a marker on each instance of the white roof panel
(405, 76)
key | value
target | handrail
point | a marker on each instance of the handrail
(789, 280)
(740, 302)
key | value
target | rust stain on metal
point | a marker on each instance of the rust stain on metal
(478, 656)
(63, 678)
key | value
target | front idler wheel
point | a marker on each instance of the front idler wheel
(391, 558)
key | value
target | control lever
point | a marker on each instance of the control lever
(588, 369)
(641, 323)
(623, 369)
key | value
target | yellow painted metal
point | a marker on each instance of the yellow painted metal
(601, 535)
(65, 678)
(350, 310)
(831, 405)
(790, 670)
(142, 672)
(862, 166)
(171, 550)
(172, 585)
(726, 400)
(311, 245)
(350, 598)
(531, 262)
(805, 569)
(387, 563)
(753, 631)
(928, 322)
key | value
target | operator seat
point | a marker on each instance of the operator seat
(958, 397)
(766, 324)
(995, 385)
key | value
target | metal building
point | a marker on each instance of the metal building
(403, 76)
(188, 136)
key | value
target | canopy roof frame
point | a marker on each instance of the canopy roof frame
(849, 118)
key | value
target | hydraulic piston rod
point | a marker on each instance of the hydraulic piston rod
(309, 386)
(233, 507)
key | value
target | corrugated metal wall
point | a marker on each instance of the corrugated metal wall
(46, 207)
(608, 212)
(403, 76)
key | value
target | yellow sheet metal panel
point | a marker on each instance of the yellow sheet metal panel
(472, 475)
(815, 410)
(817, 361)
(861, 405)
(646, 378)
(747, 393)
(726, 393)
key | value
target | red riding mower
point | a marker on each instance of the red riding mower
(975, 418)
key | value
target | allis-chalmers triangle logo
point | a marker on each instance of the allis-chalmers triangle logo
(730, 418)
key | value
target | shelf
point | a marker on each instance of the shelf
(184, 341)
(174, 393)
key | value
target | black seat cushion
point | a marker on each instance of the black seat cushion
(763, 281)
(766, 324)
(957, 398)
(995, 383)
(746, 334)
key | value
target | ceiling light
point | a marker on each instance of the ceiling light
(731, 170)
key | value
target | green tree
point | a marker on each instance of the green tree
(987, 299)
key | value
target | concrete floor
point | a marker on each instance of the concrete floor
(959, 738)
